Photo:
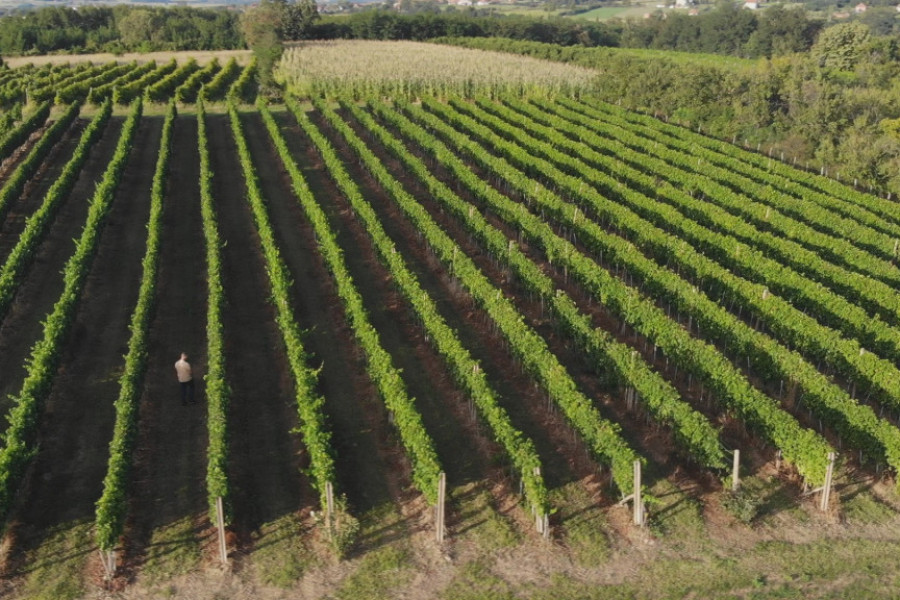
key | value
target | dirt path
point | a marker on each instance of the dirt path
(36, 188)
(170, 471)
(42, 284)
(79, 416)
(264, 463)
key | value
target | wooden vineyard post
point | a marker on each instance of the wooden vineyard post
(108, 558)
(735, 471)
(329, 507)
(826, 491)
(220, 523)
(439, 509)
(636, 496)
(638, 503)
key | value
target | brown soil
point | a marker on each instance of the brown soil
(169, 477)
(36, 188)
(65, 479)
(42, 284)
(265, 457)
(367, 469)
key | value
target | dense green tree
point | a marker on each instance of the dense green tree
(840, 46)
(262, 29)
(298, 19)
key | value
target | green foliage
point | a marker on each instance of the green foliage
(262, 26)
(17, 136)
(426, 468)
(217, 391)
(245, 87)
(743, 504)
(26, 169)
(124, 94)
(310, 405)
(840, 46)
(187, 92)
(24, 417)
(163, 89)
(113, 503)
(219, 85)
(118, 29)
(802, 446)
(465, 369)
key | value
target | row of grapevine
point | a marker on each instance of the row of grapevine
(19, 439)
(728, 212)
(112, 506)
(601, 435)
(126, 93)
(419, 446)
(78, 91)
(859, 425)
(824, 212)
(663, 402)
(99, 94)
(310, 405)
(162, 89)
(833, 260)
(218, 86)
(48, 92)
(16, 137)
(217, 392)
(39, 221)
(801, 446)
(245, 87)
(778, 174)
(24, 171)
(789, 325)
(9, 118)
(466, 370)
(187, 91)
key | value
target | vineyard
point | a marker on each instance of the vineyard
(503, 344)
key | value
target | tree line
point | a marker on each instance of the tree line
(117, 29)
(727, 29)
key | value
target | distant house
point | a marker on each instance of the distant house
(860, 8)
(751, 4)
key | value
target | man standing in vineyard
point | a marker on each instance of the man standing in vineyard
(185, 379)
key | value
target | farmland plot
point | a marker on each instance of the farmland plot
(527, 294)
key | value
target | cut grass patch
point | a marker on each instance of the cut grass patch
(479, 521)
(280, 556)
(56, 567)
(378, 572)
(174, 550)
(584, 525)
(475, 581)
